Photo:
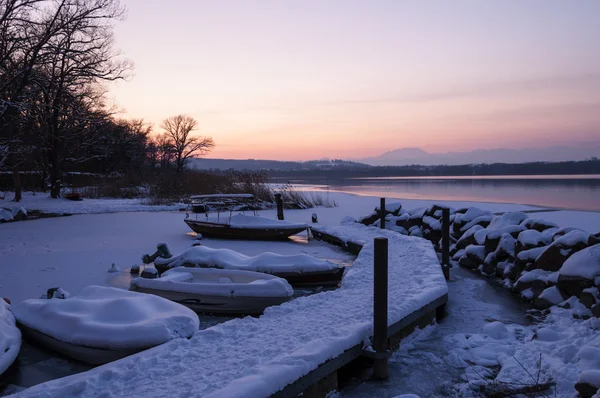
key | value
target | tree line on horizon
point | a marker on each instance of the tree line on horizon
(55, 59)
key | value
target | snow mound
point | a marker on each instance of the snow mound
(496, 330)
(204, 256)
(10, 337)
(109, 318)
(591, 377)
(584, 263)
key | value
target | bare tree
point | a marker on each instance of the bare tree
(179, 128)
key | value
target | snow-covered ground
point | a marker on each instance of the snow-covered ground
(74, 252)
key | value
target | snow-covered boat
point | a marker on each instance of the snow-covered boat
(217, 291)
(10, 337)
(241, 226)
(102, 324)
(300, 270)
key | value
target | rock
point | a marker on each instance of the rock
(416, 231)
(484, 221)
(588, 383)
(434, 211)
(512, 272)
(549, 297)
(529, 239)
(370, 219)
(538, 286)
(488, 269)
(561, 249)
(563, 231)
(528, 256)
(573, 285)
(467, 262)
(492, 237)
(552, 258)
(596, 310)
(538, 224)
(461, 219)
(580, 271)
(589, 297)
(500, 267)
(508, 219)
(468, 238)
(506, 248)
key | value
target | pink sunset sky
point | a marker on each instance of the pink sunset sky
(306, 79)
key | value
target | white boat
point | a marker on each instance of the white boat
(102, 324)
(218, 291)
(10, 337)
(300, 270)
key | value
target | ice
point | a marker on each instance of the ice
(109, 318)
(264, 262)
(584, 263)
(10, 337)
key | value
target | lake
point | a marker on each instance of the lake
(576, 192)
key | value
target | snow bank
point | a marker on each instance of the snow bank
(10, 337)
(256, 357)
(204, 256)
(109, 318)
(218, 282)
(584, 263)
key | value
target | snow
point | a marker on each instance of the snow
(217, 282)
(476, 221)
(531, 237)
(552, 295)
(530, 276)
(591, 377)
(471, 214)
(10, 337)
(268, 262)
(507, 219)
(256, 357)
(584, 263)
(476, 250)
(496, 330)
(109, 318)
(531, 254)
(572, 238)
(432, 223)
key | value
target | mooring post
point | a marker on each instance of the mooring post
(279, 202)
(380, 308)
(382, 213)
(446, 242)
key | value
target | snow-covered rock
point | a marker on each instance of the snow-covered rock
(538, 224)
(10, 337)
(507, 219)
(580, 270)
(109, 318)
(468, 238)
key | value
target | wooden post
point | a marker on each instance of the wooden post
(279, 202)
(382, 213)
(380, 308)
(446, 242)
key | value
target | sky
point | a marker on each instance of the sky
(308, 79)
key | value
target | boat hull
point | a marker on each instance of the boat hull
(89, 355)
(226, 231)
(326, 278)
(210, 304)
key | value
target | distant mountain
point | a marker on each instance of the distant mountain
(258, 164)
(416, 156)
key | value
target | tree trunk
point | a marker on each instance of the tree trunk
(17, 182)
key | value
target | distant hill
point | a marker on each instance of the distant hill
(257, 164)
(417, 156)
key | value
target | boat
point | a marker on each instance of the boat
(10, 337)
(217, 291)
(239, 226)
(300, 270)
(102, 324)
(242, 226)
